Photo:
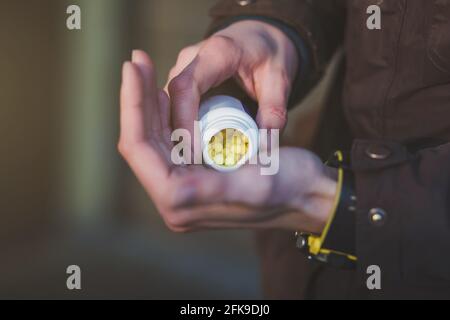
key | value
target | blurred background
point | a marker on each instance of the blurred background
(66, 197)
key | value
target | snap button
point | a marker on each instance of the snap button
(244, 3)
(378, 152)
(377, 217)
(301, 242)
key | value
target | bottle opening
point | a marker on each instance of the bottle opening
(228, 147)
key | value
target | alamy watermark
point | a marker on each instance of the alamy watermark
(73, 21)
(374, 280)
(73, 281)
(188, 150)
(374, 20)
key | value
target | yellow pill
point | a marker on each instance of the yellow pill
(229, 161)
(237, 158)
(228, 147)
(217, 147)
(219, 159)
(238, 149)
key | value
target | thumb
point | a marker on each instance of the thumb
(216, 61)
(272, 91)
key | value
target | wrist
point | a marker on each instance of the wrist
(321, 199)
(336, 242)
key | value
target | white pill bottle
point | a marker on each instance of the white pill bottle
(225, 113)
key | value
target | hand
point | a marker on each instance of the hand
(299, 197)
(258, 55)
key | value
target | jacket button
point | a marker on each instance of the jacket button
(301, 242)
(244, 3)
(378, 152)
(377, 217)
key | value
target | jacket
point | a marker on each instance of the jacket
(393, 103)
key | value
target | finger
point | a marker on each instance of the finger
(285, 219)
(145, 66)
(272, 90)
(148, 73)
(245, 187)
(133, 127)
(145, 160)
(166, 131)
(185, 57)
(164, 108)
(232, 216)
(217, 60)
(164, 114)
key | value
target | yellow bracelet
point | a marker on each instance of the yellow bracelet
(315, 243)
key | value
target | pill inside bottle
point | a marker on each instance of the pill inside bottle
(229, 134)
(228, 147)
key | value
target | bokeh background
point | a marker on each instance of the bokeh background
(66, 197)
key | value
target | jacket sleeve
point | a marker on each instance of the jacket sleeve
(403, 215)
(319, 24)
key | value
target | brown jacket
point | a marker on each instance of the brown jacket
(395, 94)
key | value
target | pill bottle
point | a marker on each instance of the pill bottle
(229, 135)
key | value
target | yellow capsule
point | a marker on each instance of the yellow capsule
(219, 159)
(228, 147)
(219, 137)
(237, 158)
(229, 161)
(237, 141)
(238, 149)
(218, 147)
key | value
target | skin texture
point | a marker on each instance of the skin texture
(191, 198)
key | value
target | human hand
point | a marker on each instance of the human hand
(299, 197)
(258, 55)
